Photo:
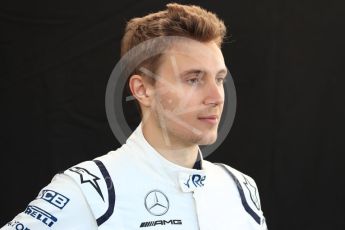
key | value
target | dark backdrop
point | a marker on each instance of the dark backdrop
(287, 61)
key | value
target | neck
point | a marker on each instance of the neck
(175, 151)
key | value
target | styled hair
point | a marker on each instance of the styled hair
(188, 21)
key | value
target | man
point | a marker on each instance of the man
(158, 179)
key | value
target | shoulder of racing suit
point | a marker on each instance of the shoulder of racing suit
(97, 187)
(248, 192)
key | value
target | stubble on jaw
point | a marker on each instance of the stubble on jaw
(181, 136)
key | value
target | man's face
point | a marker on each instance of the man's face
(189, 93)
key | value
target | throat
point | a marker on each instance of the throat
(177, 152)
(185, 157)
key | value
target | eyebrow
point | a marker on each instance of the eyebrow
(223, 71)
(191, 71)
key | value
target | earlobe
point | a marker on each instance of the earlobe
(139, 89)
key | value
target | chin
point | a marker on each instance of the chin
(208, 140)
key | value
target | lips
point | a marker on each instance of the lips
(210, 119)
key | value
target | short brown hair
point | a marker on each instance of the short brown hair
(188, 21)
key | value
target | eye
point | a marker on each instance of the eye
(196, 78)
(221, 80)
(194, 81)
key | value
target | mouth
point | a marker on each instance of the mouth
(212, 119)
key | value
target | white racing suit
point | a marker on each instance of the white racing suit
(135, 187)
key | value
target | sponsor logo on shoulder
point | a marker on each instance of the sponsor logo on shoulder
(17, 225)
(41, 215)
(253, 191)
(88, 178)
(54, 198)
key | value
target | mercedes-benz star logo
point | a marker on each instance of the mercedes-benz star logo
(156, 203)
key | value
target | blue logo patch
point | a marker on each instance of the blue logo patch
(54, 198)
(41, 215)
(196, 179)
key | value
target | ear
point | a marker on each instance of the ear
(141, 89)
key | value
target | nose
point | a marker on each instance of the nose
(214, 93)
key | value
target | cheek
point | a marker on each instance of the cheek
(168, 100)
(180, 103)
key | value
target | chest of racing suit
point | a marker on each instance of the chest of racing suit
(135, 187)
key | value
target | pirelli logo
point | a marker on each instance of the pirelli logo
(160, 222)
(41, 215)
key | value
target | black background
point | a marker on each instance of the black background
(287, 61)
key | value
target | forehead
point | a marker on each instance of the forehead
(190, 54)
